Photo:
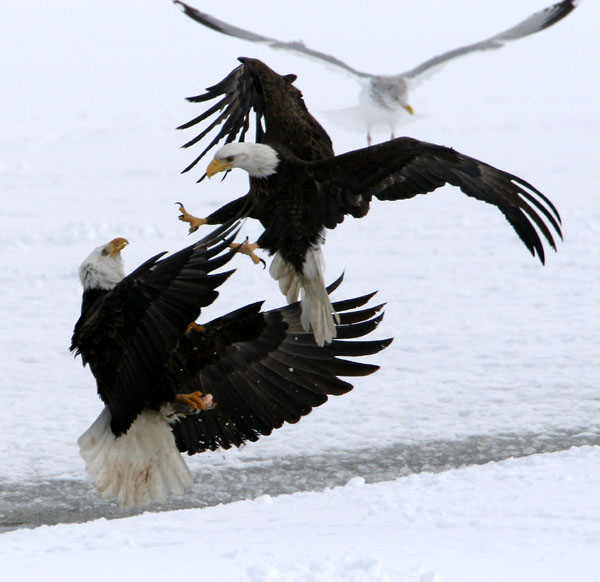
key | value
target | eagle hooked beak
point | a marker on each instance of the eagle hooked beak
(116, 246)
(217, 166)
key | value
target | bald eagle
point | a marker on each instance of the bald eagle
(299, 187)
(384, 98)
(170, 385)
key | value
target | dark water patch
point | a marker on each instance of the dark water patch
(72, 501)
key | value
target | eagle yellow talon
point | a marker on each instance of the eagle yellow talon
(193, 221)
(248, 248)
(196, 400)
(195, 327)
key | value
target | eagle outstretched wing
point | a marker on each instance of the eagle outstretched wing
(129, 335)
(405, 167)
(263, 369)
(281, 117)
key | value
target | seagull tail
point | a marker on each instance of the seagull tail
(349, 119)
(136, 468)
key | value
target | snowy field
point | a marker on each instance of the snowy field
(494, 355)
(524, 520)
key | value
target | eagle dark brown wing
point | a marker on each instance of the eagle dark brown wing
(402, 168)
(281, 117)
(263, 369)
(129, 335)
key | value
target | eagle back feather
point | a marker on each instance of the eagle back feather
(281, 115)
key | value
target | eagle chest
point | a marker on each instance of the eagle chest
(287, 197)
(290, 210)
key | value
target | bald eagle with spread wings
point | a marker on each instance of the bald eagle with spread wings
(384, 98)
(170, 385)
(299, 187)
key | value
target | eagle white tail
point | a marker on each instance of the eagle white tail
(287, 277)
(139, 467)
(317, 311)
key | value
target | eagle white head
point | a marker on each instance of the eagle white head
(103, 268)
(258, 159)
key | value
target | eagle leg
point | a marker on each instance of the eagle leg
(196, 400)
(248, 248)
(194, 222)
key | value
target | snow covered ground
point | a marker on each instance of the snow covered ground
(490, 346)
(527, 519)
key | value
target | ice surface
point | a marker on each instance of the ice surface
(529, 519)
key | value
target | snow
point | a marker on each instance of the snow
(491, 348)
(528, 519)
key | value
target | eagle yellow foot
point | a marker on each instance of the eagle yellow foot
(195, 327)
(248, 248)
(196, 400)
(194, 222)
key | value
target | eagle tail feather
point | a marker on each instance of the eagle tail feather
(287, 277)
(139, 467)
(317, 311)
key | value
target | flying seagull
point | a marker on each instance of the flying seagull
(299, 187)
(170, 385)
(383, 98)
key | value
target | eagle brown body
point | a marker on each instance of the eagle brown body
(310, 189)
(256, 369)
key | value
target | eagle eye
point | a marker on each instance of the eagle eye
(105, 252)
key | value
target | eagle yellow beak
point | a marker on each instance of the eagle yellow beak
(217, 166)
(408, 108)
(117, 245)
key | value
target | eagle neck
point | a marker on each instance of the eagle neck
(263, 161)
(90, 297)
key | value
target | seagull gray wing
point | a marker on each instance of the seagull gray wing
(535, 23)
(296, 46)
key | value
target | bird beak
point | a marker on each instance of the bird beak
(117, 245)
(408, 108)
(217, 166)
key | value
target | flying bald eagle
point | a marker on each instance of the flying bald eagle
(298, 187)
(171, 385)
(384, 98)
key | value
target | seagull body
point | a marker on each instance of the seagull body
(384, 98)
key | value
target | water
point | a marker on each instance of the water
(71, 501)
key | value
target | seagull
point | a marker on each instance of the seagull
(383, 99)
